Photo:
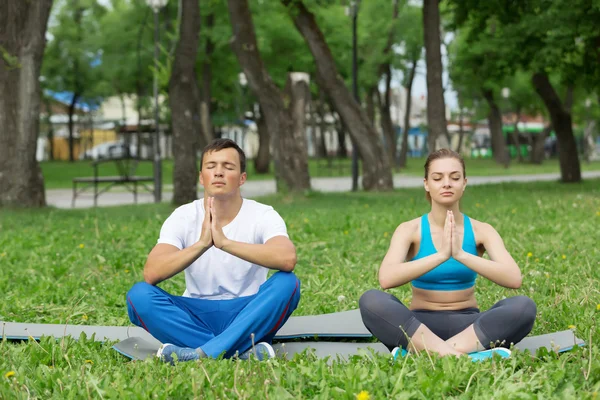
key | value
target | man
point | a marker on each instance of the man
(225, 244)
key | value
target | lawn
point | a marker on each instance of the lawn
(75, 266)
(60, 174)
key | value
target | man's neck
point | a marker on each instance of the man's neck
(228, 206)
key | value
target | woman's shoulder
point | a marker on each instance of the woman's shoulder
(480, 228)
(409, 227)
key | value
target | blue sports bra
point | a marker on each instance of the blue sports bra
(451, 274)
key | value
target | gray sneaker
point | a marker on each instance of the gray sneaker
(262, 351)
(169, 353)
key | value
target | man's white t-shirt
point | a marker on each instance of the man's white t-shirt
(217, 274)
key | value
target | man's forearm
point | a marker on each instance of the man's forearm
(163, 266)
(272, 256)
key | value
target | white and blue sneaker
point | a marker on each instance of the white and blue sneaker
(398, 352)
(487, 354)
(170, 353)
(262, 351)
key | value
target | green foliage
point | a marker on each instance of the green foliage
(558, 37)
(76, 266)
(72, 54)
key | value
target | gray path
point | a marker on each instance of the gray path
(61, 198)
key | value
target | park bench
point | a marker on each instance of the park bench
(126, 167)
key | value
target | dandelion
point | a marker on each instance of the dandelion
(564, 257)
(89, 362)
(341, 298)
(572, 327)
(537, 260)
(345, 232)
(385, 234)
(126, 271)
(81, 245)
(9, 374)
(529, 254)
(598, 307)
(363, 395)
(84, 317)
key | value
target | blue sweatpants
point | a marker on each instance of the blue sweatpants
(216, 326)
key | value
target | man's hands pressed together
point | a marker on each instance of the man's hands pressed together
(206, 238)
(218, 236)
(212, 230)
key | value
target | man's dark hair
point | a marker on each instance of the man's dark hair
(220, 144)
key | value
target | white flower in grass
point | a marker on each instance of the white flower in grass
(341, 298)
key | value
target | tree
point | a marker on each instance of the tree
(524, 100)
(377, 174)
(436, 107)
(22, 41)
(551, 39)
(383, 69)
(411, 33)
(206, 93)
(291, 163)
(72, 56)
(184, 100)
(126, 39)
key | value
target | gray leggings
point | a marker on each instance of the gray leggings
(390, 321)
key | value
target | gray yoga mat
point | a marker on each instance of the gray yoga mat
(140, 349)
(341, 324)
(24, 331)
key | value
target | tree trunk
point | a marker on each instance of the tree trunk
(387, 126)
(537, 147)
(499, 149)
(404, 151)
(291, 171)
(48, 106)
(342, 152)
(461, 128)
(516, 135)
(71, 123)
(370, 104)
(589, 147)
(322, 144)
(184, 100)
(298, 91)
(560, 115)
(140, 84)
(436, 108)
(377, 173)
(314, 125)
(206, 93)
(263, 157)
(22, 40)
(77, 89)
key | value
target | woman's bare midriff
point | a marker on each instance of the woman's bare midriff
(436, 300)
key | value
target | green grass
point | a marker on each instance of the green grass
(75, 266)
(60, 174)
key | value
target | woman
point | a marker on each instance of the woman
(440, 254)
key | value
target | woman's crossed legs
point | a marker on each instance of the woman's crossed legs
(446, 332)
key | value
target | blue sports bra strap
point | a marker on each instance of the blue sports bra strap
(469, 234)
(426, 241)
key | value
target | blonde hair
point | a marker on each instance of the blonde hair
(440, 154)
